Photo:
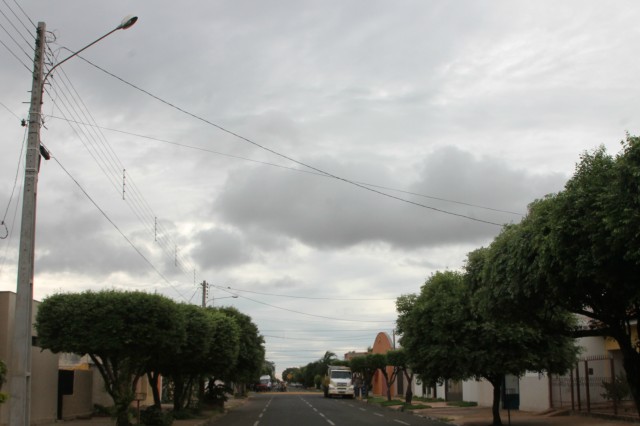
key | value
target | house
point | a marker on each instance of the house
(65, 386)
(44, 367)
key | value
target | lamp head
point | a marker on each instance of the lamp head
(127, 22)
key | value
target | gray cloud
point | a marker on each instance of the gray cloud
(489, 104)
(323, 212)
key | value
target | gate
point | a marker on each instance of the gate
(596, 385)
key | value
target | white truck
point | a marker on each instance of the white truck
(338, 381)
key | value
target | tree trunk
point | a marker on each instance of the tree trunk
(631, 364)
(178, 393)
(497, 391)
(408, 396)
(122, 411)
(153, 383)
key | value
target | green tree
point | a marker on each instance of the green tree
(433, 327)
(329, 358)
(399, 360)
(118, 330)
(251, 351)
(292, 375)
(364, 365)
(528, 334)
(451, 331)
(225, 348)
(382, 362)
(185, 362)
(581, 247)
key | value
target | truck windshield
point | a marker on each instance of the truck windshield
(340, 375)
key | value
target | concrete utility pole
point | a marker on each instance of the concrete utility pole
(20, 367)
(205, 287)
(20, 401)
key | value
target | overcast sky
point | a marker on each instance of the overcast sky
(315, 158)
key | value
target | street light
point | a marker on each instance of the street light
(20, 406)
(126, 23)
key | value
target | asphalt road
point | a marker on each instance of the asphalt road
(315, 410)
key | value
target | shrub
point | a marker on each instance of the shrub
(153, 416)
(616, 390)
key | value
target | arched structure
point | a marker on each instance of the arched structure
(382, 345)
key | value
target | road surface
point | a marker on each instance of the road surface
(314, 410)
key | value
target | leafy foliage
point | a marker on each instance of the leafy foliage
(128, 334)
(155, 417)
(452, 330)
(119, 331)
(251, 349)
(581, 249)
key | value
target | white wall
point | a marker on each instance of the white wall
(534, 392)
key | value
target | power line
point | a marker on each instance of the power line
(266, 163)
(118, 229)
(11, 112)
(316, 338)
(15, 182)
(108, 161)
(300, 297)
(15, 28)
(23, 12)
(265, 148)
(306, 313)
(15, 56)
(84, 137)
(341, 330)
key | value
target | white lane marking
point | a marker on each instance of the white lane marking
(362, 409)
(378, 414)
(331, 423)
(256, 423)
(401, 422)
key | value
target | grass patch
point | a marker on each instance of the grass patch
(462, 404)
(391, 403)
(376, 400)
(416, 406)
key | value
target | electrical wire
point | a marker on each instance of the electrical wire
(23, 12)
(67, 98)
(316, 338)
(15, 182)
(11, 112)
(118, 229)
(300, 297)
(306, 313)
(15, 56)
(293, 169)
(15, 28)
(265, 148)
(83, 137)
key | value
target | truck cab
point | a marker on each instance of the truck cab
(338, 382)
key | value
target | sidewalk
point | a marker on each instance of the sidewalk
(107, 421)
(481, 416)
